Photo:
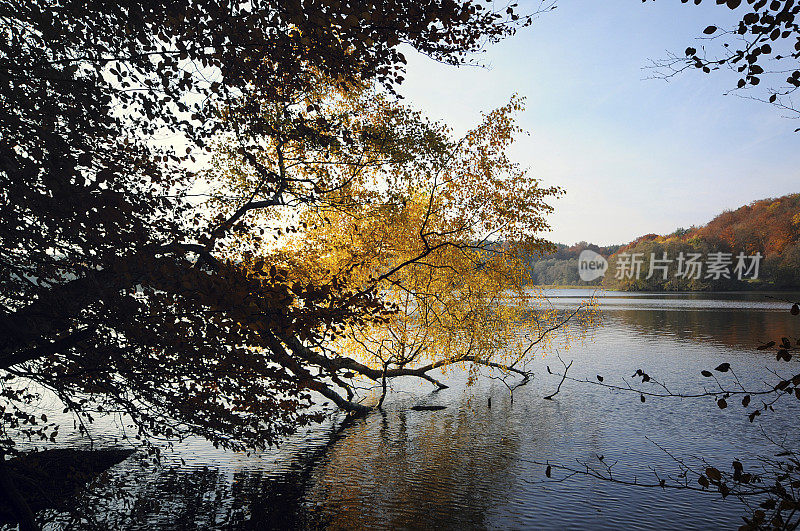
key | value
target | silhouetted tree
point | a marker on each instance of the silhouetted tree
(113, 295)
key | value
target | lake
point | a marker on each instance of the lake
(474, 466)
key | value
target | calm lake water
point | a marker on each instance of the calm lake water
(471, 466)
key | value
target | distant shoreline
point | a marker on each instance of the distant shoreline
(571, 286)
(770, 289)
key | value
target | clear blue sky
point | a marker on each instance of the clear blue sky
(635, 155)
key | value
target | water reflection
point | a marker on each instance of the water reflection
(420, 469)
(471, 466)
(735, 319)
(739, 329)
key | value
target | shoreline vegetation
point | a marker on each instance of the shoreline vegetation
(767, 228)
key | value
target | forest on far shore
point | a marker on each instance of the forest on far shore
(770, 227)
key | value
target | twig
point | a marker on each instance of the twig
(563, 376)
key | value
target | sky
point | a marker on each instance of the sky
(636, 155)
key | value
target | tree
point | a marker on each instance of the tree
(412, 215)
(114, 294)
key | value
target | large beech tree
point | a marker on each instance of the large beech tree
(116, 290)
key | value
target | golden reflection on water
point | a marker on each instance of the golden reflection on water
(422, 466)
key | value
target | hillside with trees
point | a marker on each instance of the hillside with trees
(766, 232)
(769, 228)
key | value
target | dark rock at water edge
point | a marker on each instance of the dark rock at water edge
(48, 479)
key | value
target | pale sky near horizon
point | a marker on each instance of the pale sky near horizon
(635, 155)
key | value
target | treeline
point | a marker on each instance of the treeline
(756, 246)
(561, 267)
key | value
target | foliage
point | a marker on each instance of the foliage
(412, 215)
(116, 293)
(561, 268)
(770, 226)
(767, 226)
(763, 46)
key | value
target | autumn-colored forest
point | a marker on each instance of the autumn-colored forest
(767, 226)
